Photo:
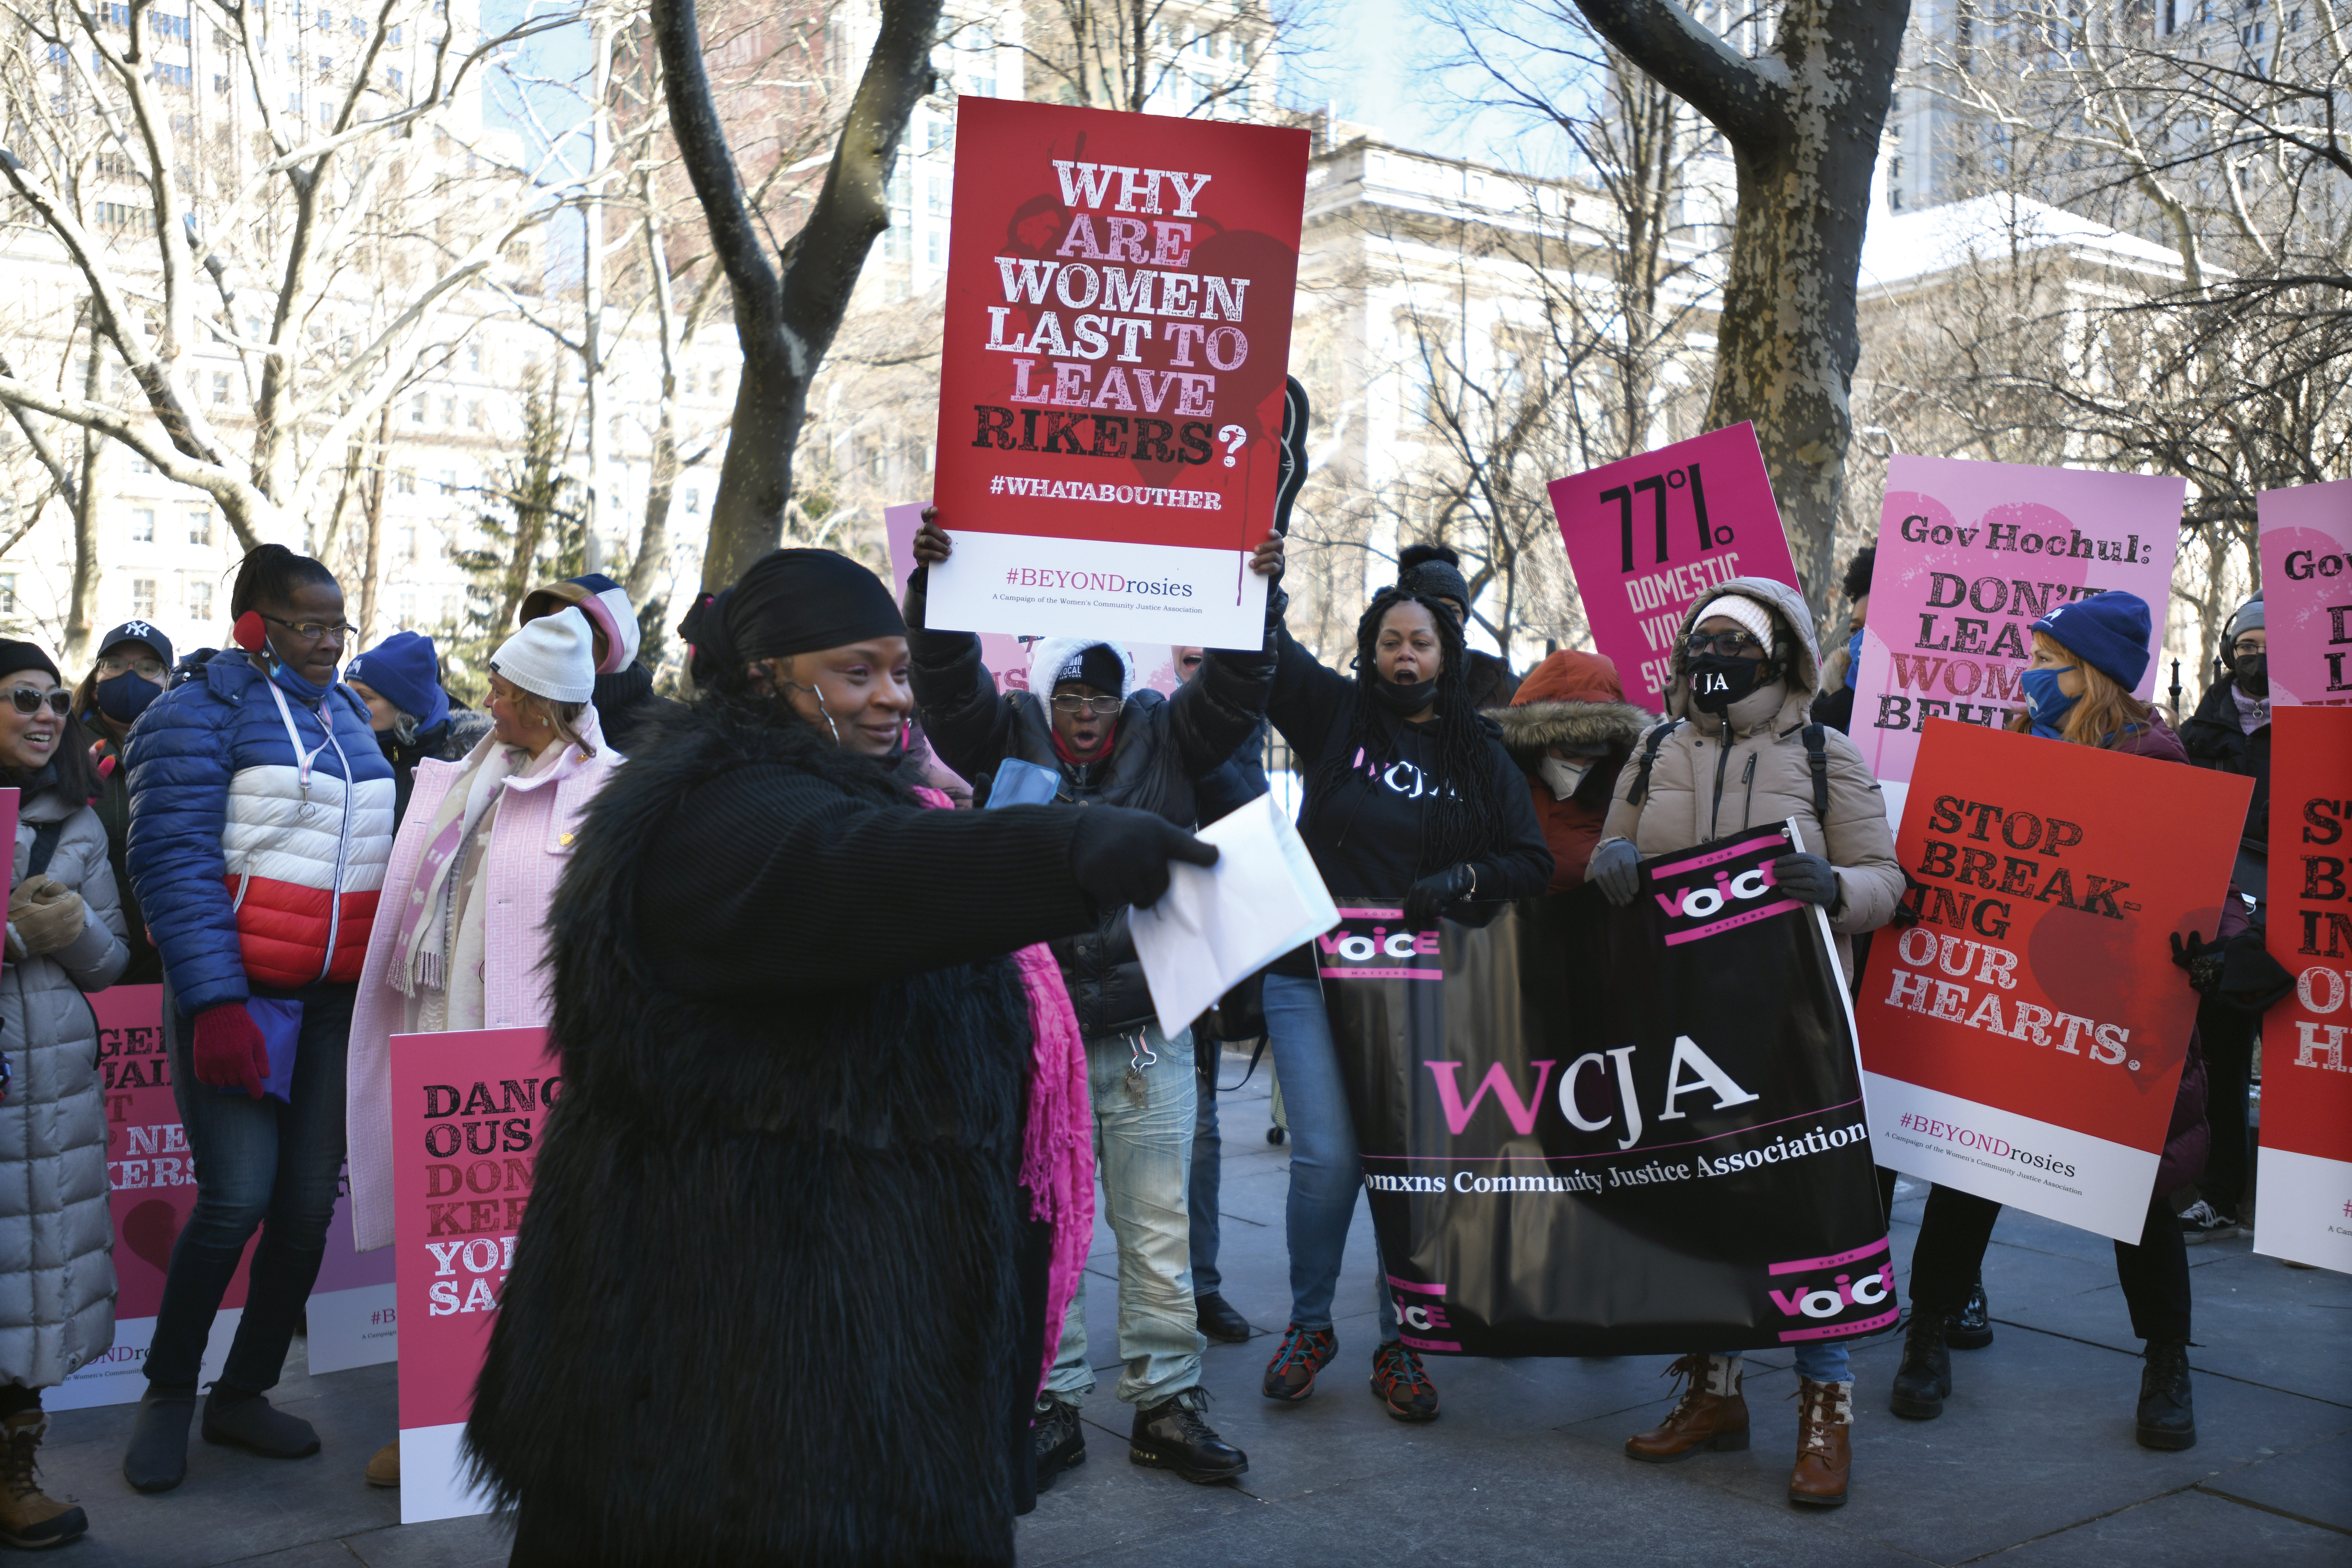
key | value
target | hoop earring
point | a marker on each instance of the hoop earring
(821, 708)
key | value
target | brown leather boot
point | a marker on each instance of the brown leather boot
(1824, 1454)
(1711, 1414)
(29, 1517)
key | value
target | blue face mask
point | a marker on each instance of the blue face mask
(2044, 703)
(1853, 651)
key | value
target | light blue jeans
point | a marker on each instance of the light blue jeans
(1823, 1361)
(1326, 1174)
(1143, 1154)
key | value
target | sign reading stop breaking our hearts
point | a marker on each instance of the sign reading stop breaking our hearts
(467, 1111)
(2307, 549)
(2024, 1040)
(1111, 380)
(2306, 1174)
(1647, 536)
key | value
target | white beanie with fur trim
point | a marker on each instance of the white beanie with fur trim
(554, 656)
(1747, 612)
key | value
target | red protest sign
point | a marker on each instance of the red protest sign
(2023, 1041)
(1118, 326)
(467, 1108)
(1648, 535)
(2305, 1173)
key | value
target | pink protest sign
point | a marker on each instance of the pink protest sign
(1648, 535)
(466, 1110)
(1969, 555)
(2306, 546)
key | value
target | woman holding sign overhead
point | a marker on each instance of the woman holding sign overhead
(1737, 751)
(1409, 796)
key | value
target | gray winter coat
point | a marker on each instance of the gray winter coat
(56, 1236)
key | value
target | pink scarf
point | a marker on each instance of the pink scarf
(1057, 1144)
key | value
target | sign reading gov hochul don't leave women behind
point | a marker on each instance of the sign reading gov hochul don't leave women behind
(1589, 1130)
(1111, 380)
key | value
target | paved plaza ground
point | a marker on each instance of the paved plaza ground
(2032, 1463)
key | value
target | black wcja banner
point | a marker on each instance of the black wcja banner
(1591, 1131)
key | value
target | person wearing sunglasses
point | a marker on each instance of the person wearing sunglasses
(1737, 750)
(261, 822)
(65, 939)
(1086, 733)
(133, 661)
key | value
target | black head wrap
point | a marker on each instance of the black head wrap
(787, 602)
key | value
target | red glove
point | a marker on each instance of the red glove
(229, 1048)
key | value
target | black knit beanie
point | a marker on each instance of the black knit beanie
(21, 655)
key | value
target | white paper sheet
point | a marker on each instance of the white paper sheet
(1217, 925)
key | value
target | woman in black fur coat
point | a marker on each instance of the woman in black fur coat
(764, 1305)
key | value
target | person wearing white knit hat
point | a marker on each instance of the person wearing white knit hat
(460, 933)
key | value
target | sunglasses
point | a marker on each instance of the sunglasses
(29, 701)
(1730, 644)
(1099, 707)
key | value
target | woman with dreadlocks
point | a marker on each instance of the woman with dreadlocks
(1411, 797)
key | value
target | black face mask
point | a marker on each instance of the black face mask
(125, 697)
(1405, 701)
(2254, 673)
(1718, 681)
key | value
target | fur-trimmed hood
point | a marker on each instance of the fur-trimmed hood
(1571, 699)
(1050, 653)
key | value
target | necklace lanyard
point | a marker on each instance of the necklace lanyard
(305, 758)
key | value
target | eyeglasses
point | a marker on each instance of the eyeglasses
(150, 667)
(2248, 650)
(29, 701)
(1726, 643)
(313, 631)
(1098, 707)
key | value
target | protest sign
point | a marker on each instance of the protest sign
(2024, 1040)
(1647, 536)
(1118, 325)
(1591, 1131)
(467, 1108)
(1969, 556)
(2305, 1164)
(2306, 552)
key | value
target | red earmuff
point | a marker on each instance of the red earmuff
(251, 635)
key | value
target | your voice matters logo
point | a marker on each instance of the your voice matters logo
(1722, 887)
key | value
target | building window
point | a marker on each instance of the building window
(403, 480)
(139, 465)
(935, 247)
(7, 593)
(143, 598)
(451, 605)
(407, 611)
(448, 411)
(200, 525)
(693, 501)
(220, 386)
(200, 599)
(448, 481)
(408, 541)
(143, 525)
(416, 409)
(474, 357)
(474, 420)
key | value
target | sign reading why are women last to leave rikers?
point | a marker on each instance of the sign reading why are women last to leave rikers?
(2024, 1039)
(1111, 380)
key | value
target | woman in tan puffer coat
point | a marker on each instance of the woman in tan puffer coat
(65, 937)
(1738, 749)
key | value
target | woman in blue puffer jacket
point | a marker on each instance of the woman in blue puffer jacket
(261, 819)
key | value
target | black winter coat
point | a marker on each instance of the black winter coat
(1163, 749)
(2213, 739)
(763, 1301)
(627, 708)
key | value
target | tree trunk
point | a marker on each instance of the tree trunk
(1802, 120)
(371, 507)
(81, 608)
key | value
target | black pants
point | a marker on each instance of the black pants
(1957, 1226)
(2226, 1037)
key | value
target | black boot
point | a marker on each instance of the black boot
(2168, 1417)
(1059, 1437)
(1171, 1436)
(1219, 1320)
(1924, 1381)
(156, 1458)
(239, 1420)
(1970, 1328)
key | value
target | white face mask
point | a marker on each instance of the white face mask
(1563, 777)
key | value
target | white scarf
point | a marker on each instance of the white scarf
(426, 962)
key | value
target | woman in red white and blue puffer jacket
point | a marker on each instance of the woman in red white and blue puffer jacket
(262, 820)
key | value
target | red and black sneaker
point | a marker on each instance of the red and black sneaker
(1290, 1375)
(1402, 1385)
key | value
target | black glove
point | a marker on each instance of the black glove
(1121, 856)
(1427, 899)
(2202, 959)
(2251, 978)
(1616, 869)
(1807, 877)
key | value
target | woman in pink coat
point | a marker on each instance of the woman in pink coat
(458, 939)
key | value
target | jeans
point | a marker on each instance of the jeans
(1823, 1361)
(1143, 1154)
(1326, 1174)
(1208, 1157)
(257, 1163)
